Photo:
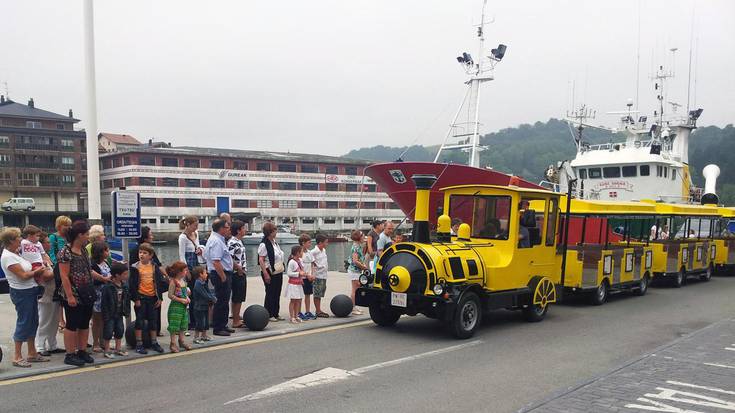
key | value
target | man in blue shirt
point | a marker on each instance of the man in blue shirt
(219, 266)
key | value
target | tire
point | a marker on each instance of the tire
(7, 209)
(707, 273)
(600, 295)
(643, 285)
(29, 209)
(467, 316)
(535, 313)
(384, 317)
(678, 281)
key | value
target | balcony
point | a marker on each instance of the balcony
(42, 147)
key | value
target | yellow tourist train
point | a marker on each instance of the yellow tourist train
(522, 249)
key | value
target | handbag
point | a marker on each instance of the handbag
(278, 267)
(86, 294)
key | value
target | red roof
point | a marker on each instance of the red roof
(120, 139)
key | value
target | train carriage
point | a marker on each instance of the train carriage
(608, 248)
(724, 242)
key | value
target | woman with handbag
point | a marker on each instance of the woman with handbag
(270, 258)
(190, 252)
(77, 292)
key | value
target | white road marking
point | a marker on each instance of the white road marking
(730, 348)
(719, 365)
(658, 407)
(694, 386)
(330, 374)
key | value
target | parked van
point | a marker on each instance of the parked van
(19, 204)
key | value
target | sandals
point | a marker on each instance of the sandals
(21, 363)
(184, 346)
(241, 325)
(37, 359)
(173, 348)
(121, 353)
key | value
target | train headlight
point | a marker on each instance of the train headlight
(364, 279)
(438, 289)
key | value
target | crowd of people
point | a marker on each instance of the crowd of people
(67, 281)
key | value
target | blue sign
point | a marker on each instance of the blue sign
(125, 214)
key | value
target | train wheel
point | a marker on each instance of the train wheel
(643, 285)
(707, 274)
(680, 277)
(544, 293)
(384, 317)
(467, 316)
(600, 295)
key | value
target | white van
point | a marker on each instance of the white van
(19, 204)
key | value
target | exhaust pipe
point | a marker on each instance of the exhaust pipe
(423, 184)
(710, 173)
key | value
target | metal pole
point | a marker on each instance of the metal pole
(565, 238)
(125, 250)
(93, 168)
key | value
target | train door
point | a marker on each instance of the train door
(536, 229)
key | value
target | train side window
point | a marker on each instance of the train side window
(489, 215)
(594, 173)
(582, 174)
(645, 170)
(551, 222)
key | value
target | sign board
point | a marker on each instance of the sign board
(125, 214)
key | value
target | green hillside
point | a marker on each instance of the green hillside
(528, 150)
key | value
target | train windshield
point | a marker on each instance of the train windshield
(489, 215)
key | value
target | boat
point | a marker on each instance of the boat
(395, 177)
(284, 237)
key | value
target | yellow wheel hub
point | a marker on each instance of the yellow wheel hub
(545, 293)
(399, 279)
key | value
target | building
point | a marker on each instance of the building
(307, 192)
(41, 157)
(112, 142)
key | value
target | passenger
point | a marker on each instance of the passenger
(115, 306)
(372, 239)
(456, 222)
(220, 265)
(239, 271)
(270, 259)
(48, 313)
(58, 241)
(146, 280)
(692, 234)
(203, 302)
(321, 270)
(294, 290)
(357, 264)
(385, 240)
(178, 314)
(524, 235)
(664, 234)
(307, 260)
(101, 276)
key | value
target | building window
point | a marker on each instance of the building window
(171, 202)
(240, 203)
(170, 162)
(146, 181)
(216, 183)
(368, 205)
(5, 159)
(192, 183)
(128, 181)
(307, 220)
(67, 142)
(595, 173)
(243, 185)
(4, 141)
(147, 160)
(309, 169)
(332, 204)
(332, 170)
(309, 186)
(33, 124)
(126, 160)
(170, 182)
(264, 203)
(351, 187)
(264, 185)
(216, 164)
(630, 171)
(330, 221)
(332, 187)
(611, 172)
(310, 204)
(240, 165)
(118, 183)
(287, 204)
(68, 180)
(286, 167)
(349, 220)
(351, 170)
(191, 163)
(193, 203)
(148, 202)
(645, 170)
(351, 205)
(60, 126)
(287, 186)
(5, 179)
(107, 184)
(115, 162)
(263, 166)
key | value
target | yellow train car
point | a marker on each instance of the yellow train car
(683, 242)
(724, 241)
(608, 248)
(504, 256)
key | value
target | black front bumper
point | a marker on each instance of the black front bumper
(431, 306)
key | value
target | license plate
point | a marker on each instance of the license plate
(398, 299)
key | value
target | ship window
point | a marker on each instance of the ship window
(595, 173)
(611, 172)
(630, 171)
(489, 215)
(658, 170)
(666, 172)
(582, 174)
(645, 170)
(673, 174)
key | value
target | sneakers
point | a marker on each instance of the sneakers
(221, 333)
(109, 355)
(356, 311)
(207, 338)
(121, 352)
(198, 340)
(85, 357)
(302, 316)
(140, 349)
(310, 316)
(72, 360)
(274, 319)
(157, 347)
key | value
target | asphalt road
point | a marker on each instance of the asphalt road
(509, 364)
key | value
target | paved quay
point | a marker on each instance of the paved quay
(337, 283)
(693, 374)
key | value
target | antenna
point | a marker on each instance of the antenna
(579, 117)
(689, 77)
(7, 91)
(638, 59)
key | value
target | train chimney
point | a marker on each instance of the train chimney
(710, 173)
(423, 183)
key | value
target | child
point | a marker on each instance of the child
(320, 271)
(308, 262)
(203, 300)
(101, 276)
(145, 279)
(178, 313)
(357, 264)
(48, 313)
(115, 305)
(295, 290)
(33, 252)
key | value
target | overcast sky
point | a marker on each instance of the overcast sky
(329, 76)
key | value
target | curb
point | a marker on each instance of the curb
(583, 383)
(248, 336)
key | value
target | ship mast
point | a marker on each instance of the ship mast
(466, 123)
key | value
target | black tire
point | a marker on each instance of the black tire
(29, 209)
(7, 209)
(467, 316)
(707, 273)
(535, 313)
(680, 278)
(384, 317)
(643, 284)
(599, 296)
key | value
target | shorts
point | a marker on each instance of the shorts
(239, 288)
(77, 318)
(146, 311)
(26, 309)
(308, 287)
(354, 276)
(319, 287)
(97, 307)
(113, 327)
(201, 320)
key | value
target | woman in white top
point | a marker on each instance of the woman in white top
(24, 292)
(270, 259)
(190, 251)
